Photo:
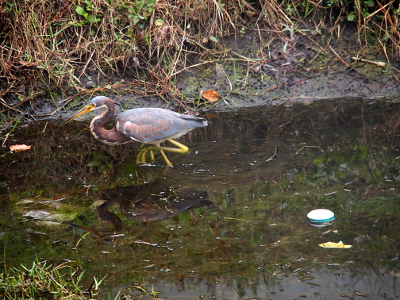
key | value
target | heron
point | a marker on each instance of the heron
(151, 126)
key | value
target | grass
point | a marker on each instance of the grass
(66, 49)
(43, 281)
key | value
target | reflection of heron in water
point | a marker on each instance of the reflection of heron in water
(145, 125)
(151, 203)
(145, 203)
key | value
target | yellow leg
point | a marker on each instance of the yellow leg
(169, 164)
(181, 148)
(151, 155)
(141, 157)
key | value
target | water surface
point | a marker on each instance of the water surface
(229, 220)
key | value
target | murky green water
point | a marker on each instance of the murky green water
(229, 220)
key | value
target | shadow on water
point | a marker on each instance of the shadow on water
(229, 220)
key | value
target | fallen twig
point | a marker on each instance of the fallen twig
(377, 63)
(337, 55)
(273, 155)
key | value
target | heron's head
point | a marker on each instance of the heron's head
(96, 102)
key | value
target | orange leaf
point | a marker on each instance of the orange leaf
(210, 95)
(18, 148)
(209, 116)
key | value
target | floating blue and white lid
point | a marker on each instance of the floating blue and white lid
(320, 217)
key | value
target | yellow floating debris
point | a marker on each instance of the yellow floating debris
(339, 245)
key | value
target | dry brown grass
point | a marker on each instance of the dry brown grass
(78, 47)
(53, 46)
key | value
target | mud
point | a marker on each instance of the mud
(255, 70)
(300, 70)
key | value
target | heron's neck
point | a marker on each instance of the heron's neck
(108, 136)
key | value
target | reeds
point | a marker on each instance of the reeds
(69, 47)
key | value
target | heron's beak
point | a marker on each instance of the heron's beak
(83, 111)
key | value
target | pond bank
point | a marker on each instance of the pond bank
(252, 72)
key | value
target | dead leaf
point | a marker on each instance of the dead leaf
(339, 245)
(27, 64)
(18, 148)
(210, 95)
(209, 116)
(159, 22)
(219, 70)
(250, 13)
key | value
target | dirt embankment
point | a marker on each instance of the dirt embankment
(252, 69)
(298, 70)
(301, 70)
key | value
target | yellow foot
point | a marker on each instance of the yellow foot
(141, 157)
